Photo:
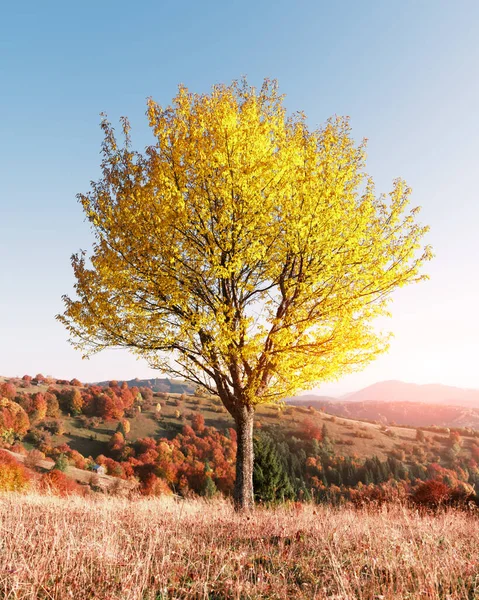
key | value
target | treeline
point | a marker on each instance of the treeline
(287, 467)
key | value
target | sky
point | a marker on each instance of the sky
(405, 71)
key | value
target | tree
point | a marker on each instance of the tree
(198, 423)
(123, 427)
(71, 401)
(39, 407)
(14, 422)
(13, 475)
(116, 443)
(209, 488)
(242, 251)
(8, 390)
(61, 462)
(53, 407)
(270, 478)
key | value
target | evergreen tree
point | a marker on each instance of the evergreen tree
(270, 479)
(324, 433)
(61, 463)
(209, 488)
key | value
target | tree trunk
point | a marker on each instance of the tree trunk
(243, 492)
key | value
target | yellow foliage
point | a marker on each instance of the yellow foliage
(253, 249)
(13, 475)
(14, 422)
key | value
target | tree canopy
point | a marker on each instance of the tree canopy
(253, 248)
(242, 250)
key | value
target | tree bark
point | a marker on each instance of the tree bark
(243, 491)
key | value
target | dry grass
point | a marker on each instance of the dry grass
(110, 548)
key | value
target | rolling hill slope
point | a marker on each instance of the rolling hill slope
(348, 435)
(403, 404)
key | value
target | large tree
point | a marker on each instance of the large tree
(242, 251)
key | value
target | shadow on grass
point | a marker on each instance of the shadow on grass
(86, 446)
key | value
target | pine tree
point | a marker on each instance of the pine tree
(270, 479)
(61, 463)
(209, 488)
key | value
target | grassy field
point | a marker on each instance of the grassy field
(116, 549)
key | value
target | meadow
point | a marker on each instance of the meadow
(109, 548)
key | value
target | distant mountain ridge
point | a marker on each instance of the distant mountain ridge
(403, 403)
(430, 393)
(157, 384)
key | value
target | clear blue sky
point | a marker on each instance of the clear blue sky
(405, 71)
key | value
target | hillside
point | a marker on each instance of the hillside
(396, 402)
(347, 434)
(186, 444)
(415, 414)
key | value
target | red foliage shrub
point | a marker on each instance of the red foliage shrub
(311, 431)
(116, 444)
(431, 494)
(377, 495)
(8, 390)
(198, 423)
(33, 458)
(154, 486)
(58, 483)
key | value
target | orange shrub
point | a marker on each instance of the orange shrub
(58, 483)
(14, 421)
(14, 477)
(154, 486)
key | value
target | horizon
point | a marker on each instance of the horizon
(312, 392)
(409, 90)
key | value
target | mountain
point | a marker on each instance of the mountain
(310, 398)
(404, 404)
(171, 386)
(432, 393)
(413, 414)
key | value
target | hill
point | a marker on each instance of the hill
(183, 443)
(399, 391)
(396, 402)
(176, 386)
(342, 419)
(414, 414)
